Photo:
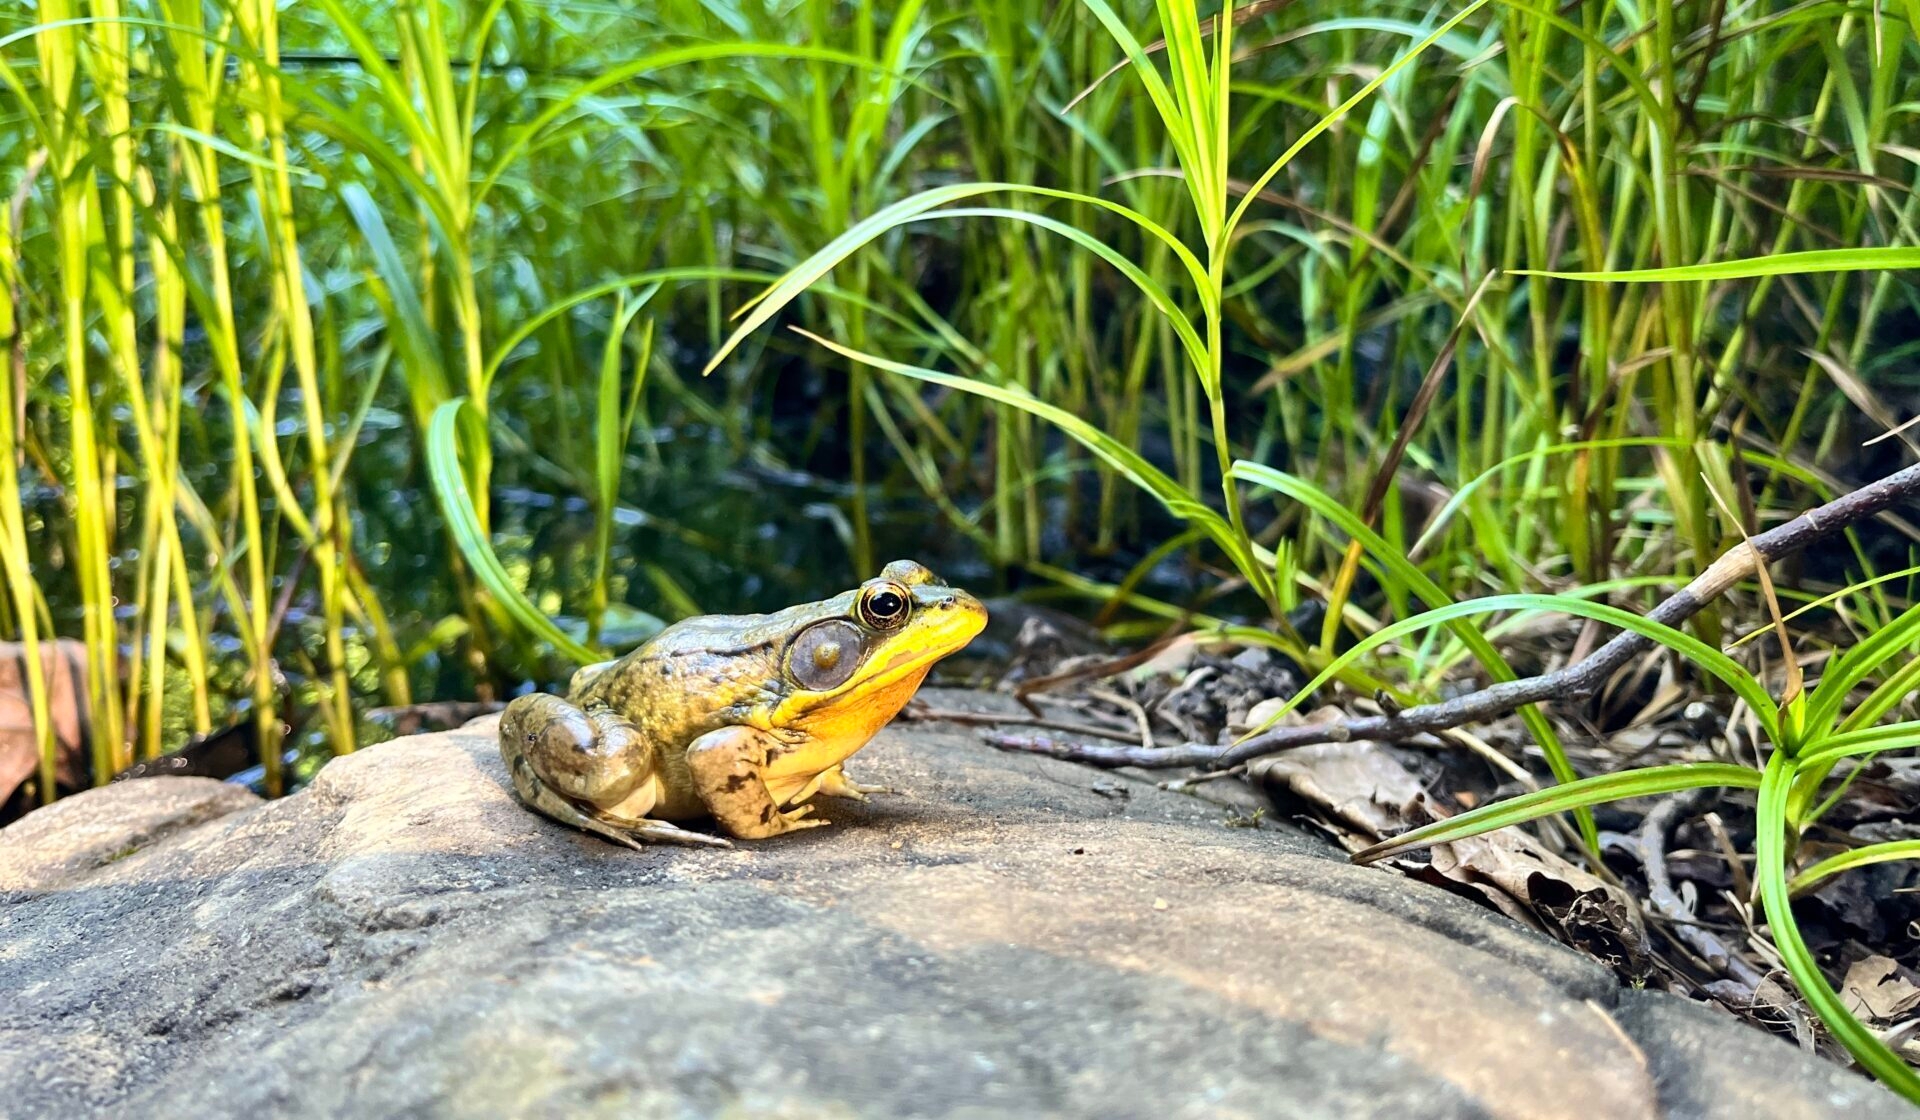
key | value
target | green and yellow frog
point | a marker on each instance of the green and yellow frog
(741, 718)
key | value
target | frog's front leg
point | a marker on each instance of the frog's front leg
(835, 783)
(589, 769)
(728, 767)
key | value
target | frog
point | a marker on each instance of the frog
(740, 719)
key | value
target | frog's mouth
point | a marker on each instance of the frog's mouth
(956, 625)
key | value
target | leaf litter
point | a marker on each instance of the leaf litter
(1667, 907)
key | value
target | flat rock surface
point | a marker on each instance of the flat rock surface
(1005, 936)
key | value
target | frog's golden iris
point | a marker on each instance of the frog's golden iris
(740, 718)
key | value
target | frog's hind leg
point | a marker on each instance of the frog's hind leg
(577, 766)
(634, 834)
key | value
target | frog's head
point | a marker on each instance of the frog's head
(854, 660)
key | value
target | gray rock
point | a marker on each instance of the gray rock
(1007, 936)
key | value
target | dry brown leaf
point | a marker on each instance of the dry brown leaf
(1366, 795)
(64, 664)
(1529, 883)
(1362, 788)
(1878, 989)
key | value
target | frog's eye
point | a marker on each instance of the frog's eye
(884, 606)
(824, 656)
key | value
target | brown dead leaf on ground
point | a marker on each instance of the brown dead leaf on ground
(1532, 885)
(64, 663)
(1364, 790)
(1878, 989)
(1365, 794)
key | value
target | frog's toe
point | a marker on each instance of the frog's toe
(614, 833)
(836, 783)
(794, 818)
(660, 832)
(637, 834)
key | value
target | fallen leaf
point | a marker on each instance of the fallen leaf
(1366, 795)
(64, 664)
(1529, 883)
(1877, 988)
(1361, 787)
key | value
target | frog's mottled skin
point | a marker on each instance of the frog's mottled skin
(714, 717)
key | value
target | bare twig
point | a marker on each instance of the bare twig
(1654, 831)
(1576, 682)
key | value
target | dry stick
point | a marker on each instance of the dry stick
(1576, 682)
(1654, 831)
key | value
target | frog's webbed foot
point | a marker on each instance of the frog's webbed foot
(636, 834)
(727, 766)
(835, 783)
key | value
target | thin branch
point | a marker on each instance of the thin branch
(1576, 682)
(1654, 832)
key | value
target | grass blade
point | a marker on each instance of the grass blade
(1586, 792)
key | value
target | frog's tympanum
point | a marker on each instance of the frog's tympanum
(741, 718)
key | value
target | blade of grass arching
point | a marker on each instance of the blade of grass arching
(1864, 259)
(803, 275)
(1701, 654)
(1420, 585)
(1647, 781)
(1123, 459)
(610, 443)
(1773, 837)
(1887, 852)
(516, 144)
(1329, 120)
(1438, 664)
(655, 276)
(456, 505)
(1149, 287)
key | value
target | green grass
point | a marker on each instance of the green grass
(1385, 304)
